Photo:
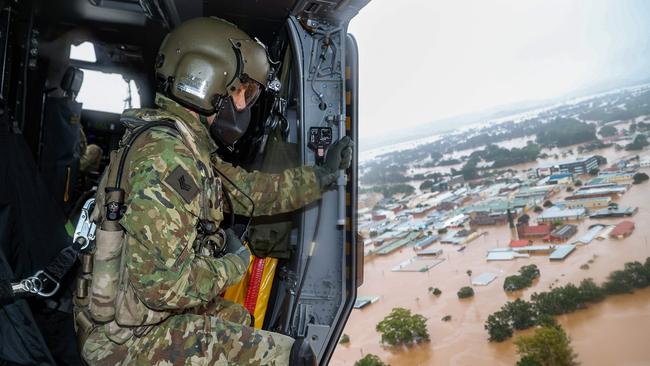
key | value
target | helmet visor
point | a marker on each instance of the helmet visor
(246, 94)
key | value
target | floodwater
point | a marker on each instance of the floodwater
(613, 332)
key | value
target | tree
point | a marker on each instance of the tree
(530, 271)
(590, 292)
(498, 326)
(547, 203)
(370, 360)
(564, 132)
(401, 327)
(578, 183)
(523, 219)
(465, 292)
(619, 282)
(344, 339)
(594, 172)
(537, 209)
(521, 313)
(426, 185)
(640, 141)
(528, 361)
(545, 320)
(446, 318)
(608, 131)
(640, 178)
(516, 283)
(638, 276)
(549, 346)
(436, 291)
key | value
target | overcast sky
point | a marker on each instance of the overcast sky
(422, 60)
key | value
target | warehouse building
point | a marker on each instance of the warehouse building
(556, 213)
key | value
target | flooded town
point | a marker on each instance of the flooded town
(576, 211)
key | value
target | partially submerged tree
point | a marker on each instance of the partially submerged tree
(549, 346)
(465, 292)
(640, 178)
(498, 326)
(401, 327)
(370, 360)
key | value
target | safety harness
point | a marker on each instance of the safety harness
(46, 282)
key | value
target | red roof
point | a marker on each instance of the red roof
(539, 230)
(519, 243)
(623, 228)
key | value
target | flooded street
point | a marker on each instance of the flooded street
(613, 332)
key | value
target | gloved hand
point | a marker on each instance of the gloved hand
(235, 246)
(339, 156)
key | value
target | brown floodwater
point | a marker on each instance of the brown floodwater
(613, 332)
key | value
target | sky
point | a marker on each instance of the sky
(424, 60)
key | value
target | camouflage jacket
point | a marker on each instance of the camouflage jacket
(170, 184)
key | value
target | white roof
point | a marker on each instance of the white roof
(483, 279)
(555, 211)
(587, 237)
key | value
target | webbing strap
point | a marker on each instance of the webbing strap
(45, 283)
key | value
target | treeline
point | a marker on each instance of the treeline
(564, 132)
(500, 156)
(390, 190)
(635, 106)
(520, 314)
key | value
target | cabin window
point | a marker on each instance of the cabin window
(107, 92)
(83, 52)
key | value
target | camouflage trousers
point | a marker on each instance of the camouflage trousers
(213, 335)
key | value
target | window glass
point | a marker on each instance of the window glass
(107, 92)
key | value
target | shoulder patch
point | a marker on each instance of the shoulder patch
(181, 181)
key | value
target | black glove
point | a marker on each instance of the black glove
(235, 246)
(339, 156)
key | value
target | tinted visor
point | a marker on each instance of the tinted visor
(250, 90)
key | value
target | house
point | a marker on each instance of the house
(504, 254)
(536, 231)
(622, 230)
(561, 234)
(561, 252)
(560, 178)
(601, 190)
(425, 242)
(588, 203)
(613, 177)
(534, 249)
(519, 243)
(614, 212)
(590, 235)
(485, 218)
(556, 213)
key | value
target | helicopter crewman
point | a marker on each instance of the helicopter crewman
(155, 292)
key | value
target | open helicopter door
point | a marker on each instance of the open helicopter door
(328, 266)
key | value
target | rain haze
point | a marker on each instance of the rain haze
(422, 61)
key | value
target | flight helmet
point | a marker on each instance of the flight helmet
(205, 60)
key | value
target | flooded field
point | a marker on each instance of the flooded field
(613, 332)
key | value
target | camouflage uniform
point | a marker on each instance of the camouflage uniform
(170, 289)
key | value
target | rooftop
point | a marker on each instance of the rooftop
(623, 228)
(562, 251)
(557, 212)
